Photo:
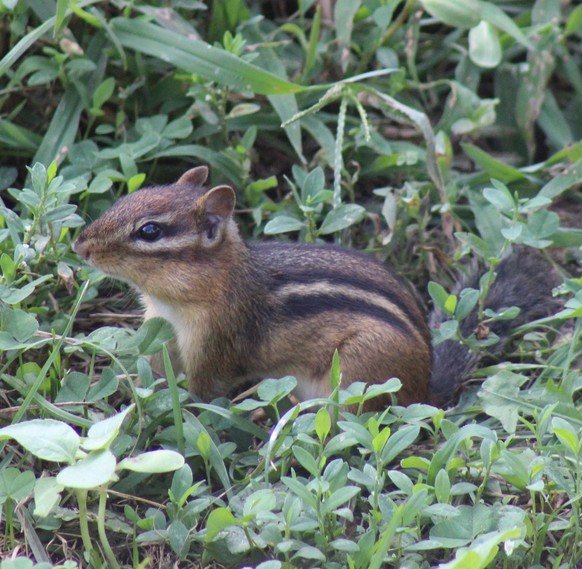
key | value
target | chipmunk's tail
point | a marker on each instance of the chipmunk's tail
(524, 279)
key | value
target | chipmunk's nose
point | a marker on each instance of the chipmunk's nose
(80, 247)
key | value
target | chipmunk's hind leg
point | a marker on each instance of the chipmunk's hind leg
(377, 355)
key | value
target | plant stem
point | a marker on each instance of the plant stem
(488, 283)
(49, 362)
(9, 533)
(101, 529)
(208, 474)
(175, 397)
(39, 210)
(83, 521)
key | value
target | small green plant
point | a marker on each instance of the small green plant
(92, 467)
(426, 131)
(506, 220)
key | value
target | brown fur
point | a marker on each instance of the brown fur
(243, 312)
(239, 310)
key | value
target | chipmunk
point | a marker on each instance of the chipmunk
(245, 311)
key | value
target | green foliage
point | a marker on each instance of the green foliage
(91, 466)
(426, 131)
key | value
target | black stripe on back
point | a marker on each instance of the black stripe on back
(297, 306)
(394, 296)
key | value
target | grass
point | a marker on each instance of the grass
(430, 134)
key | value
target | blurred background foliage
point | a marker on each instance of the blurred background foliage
(421, 130)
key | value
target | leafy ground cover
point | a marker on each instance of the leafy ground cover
(428, 132)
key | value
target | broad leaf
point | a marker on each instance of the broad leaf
(45, 438)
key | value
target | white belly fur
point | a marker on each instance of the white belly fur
(189, 328)
(312, 388)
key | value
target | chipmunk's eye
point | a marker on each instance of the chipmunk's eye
(149, 232)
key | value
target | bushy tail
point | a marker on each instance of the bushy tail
(524, 279)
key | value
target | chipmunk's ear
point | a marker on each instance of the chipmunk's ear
(214, 209)
(194, 177)
(219, 201)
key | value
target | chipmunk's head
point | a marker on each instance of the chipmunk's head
(167, 239)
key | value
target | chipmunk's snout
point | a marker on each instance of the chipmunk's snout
(82, 247)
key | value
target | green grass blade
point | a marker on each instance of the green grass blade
(31, 38)
(23, 45)
(17, 137)
(33, 391)
(421, 121)
(45, 9)
(284, 105)
(218, 161)
(563, 181)
(175, 397)
(53, 410)
(65, 122)
(215, 458)
(62, 129)
(199, 57)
